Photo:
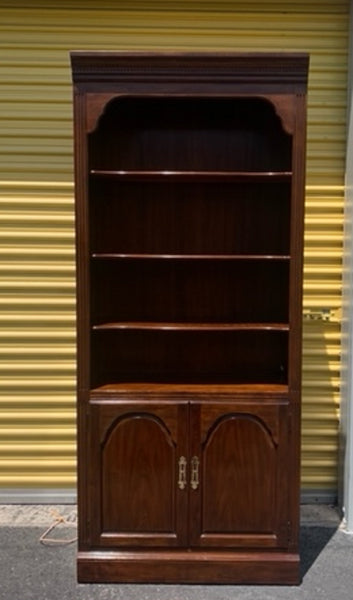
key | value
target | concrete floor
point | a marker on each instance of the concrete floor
(30, 570)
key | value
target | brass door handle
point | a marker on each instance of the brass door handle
(194, 480)
(182, 473)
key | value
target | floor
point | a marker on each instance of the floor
(31, 569)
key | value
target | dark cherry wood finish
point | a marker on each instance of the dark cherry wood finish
(189, 220)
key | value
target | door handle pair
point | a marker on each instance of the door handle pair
(194, 475)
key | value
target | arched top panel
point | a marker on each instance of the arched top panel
(246, 422)
(101, 103)
(191, 133)
(284, 106)
(97, 106)
(149, 425)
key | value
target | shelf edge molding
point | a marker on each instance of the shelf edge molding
(192, 176)
(168, 326)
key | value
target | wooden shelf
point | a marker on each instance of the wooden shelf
(140, 325)
(187, 257)
(207, 176)
(252, 389)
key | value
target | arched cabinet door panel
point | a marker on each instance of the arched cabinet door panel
(241, 499)
(136, 479)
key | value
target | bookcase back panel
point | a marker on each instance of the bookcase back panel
(180, 133)
(189, 218)
(193, 290)
(189, 356)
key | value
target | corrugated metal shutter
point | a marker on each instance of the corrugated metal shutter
(37, 360)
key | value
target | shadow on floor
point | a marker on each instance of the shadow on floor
(313, 540)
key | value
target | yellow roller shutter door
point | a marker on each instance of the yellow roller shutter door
(37, 303)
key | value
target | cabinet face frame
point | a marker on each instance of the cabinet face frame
(280, 80)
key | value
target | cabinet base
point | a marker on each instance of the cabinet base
(188, 567)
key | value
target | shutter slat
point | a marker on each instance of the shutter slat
(37, 273)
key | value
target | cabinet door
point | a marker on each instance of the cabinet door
(241, 497)
(137, 462)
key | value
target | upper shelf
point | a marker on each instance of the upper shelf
(165, 175)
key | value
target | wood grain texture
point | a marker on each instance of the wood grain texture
(135, 451)
(189, 219)
(216, 567)
(241, 457)
(138, 476)
(239, 469)
(251, 391)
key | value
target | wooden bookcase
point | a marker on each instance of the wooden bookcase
(189, 212)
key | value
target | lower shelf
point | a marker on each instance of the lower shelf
(185, 566)
(253, 389)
